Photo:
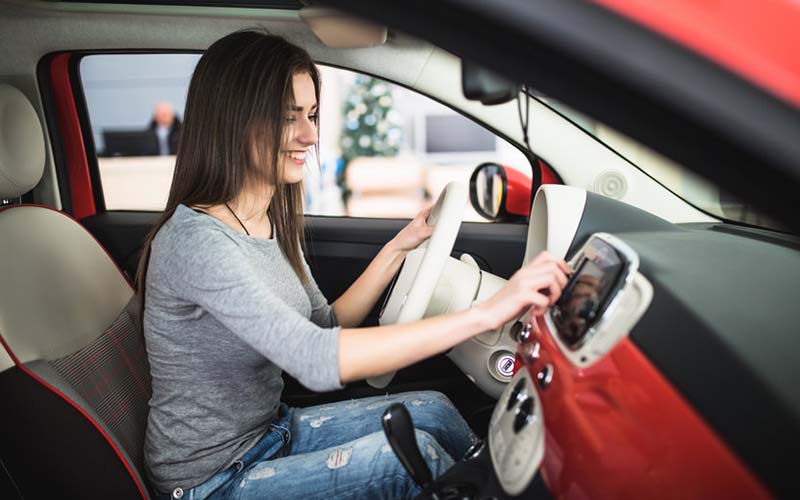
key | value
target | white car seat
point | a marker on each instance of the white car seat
(73, 367)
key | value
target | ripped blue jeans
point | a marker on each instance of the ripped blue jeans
(339, 451)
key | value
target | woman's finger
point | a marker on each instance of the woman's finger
(561, 277)
(544, 256)
(539, 303)
(425, 212)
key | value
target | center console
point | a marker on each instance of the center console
(602, 301)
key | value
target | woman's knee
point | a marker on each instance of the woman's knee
(435, 456)
(428, 401)
(431, 409)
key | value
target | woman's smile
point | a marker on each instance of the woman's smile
(297, 156)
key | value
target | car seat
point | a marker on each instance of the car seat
(74, 376)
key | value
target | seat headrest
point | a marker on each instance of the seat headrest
(22, 148)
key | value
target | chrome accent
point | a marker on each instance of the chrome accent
(525, 334)
(475, 450)
(530, 352)
(545, 376)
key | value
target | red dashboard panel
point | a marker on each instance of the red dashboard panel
(619, 430)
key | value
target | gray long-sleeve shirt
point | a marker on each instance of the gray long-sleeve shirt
(224, 314)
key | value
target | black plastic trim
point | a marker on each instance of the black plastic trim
(602, 214)
(497, 247)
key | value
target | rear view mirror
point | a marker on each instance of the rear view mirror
(500, 193)
(481, 84)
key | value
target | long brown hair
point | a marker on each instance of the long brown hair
(233, 133)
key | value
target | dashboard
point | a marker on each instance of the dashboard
(625, 377)
(604, 297)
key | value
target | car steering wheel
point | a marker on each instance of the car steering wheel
(413, 287)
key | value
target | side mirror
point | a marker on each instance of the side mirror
(500, 193)
(481, 84)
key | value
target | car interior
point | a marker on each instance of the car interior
(655, 349)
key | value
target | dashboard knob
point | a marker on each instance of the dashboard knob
(530, 352)
(525, 334)
(520, 332)
(516, 394)
(545, 376)
(523, 414)
(515, 329)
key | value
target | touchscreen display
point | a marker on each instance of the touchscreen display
(588, 291)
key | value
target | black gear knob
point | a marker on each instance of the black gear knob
(399, 430)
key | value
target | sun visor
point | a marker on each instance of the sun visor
(342, 31)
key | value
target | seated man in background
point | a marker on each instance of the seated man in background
(166, 127)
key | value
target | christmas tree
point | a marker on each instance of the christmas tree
(371, 126)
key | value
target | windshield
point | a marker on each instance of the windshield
(693, 189)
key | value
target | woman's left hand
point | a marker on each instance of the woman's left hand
(417, 231)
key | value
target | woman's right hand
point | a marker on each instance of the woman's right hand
(537, 285)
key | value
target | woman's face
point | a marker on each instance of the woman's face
(301, 130)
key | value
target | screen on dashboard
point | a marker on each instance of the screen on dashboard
(588, 292)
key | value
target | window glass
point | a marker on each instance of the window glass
(135, 104)
(384, 151)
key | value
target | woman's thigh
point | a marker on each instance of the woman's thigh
(320, 427)
(363, 468)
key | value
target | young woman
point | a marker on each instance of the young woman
(229, 302)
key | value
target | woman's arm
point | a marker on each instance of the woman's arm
(355, 303)
(368, 352)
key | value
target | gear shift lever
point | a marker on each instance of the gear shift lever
(399, 430)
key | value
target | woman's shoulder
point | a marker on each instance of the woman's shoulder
(189, 233)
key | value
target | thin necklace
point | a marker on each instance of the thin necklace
(237, 218)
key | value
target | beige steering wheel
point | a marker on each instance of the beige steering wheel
(414, 286)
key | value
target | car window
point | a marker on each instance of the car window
(384, 150)
(135, 104)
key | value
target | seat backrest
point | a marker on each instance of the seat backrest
(73, 366)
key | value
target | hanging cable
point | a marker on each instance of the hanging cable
(524, 122)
